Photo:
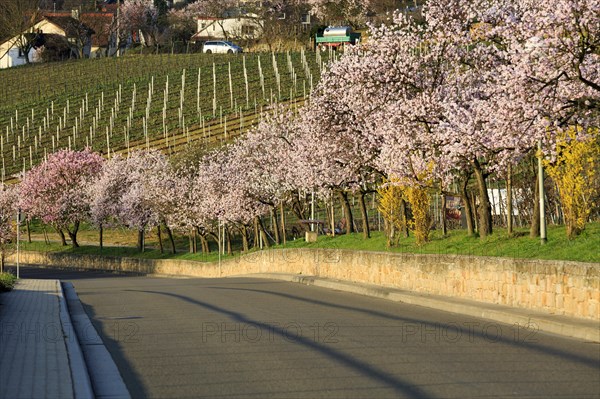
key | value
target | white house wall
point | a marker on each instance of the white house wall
(11, 57)
(232, 26)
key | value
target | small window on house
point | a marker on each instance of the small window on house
(247, 30)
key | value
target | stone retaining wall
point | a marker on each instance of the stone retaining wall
(558, 287)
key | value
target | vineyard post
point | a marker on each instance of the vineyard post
(246, 83)
(182, 95)
(198, 93)
(146, 134)
(126, 140)
(230, 86)
(107, 144)
(133, 98)
(164, 123)
(214, 90)
(262, 78)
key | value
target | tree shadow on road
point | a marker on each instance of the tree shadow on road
(400, 386)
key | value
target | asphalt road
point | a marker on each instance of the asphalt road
(253, 338)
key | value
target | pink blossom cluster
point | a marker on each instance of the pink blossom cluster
(8, 213)
(56, 190)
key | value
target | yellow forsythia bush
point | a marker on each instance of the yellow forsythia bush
(575, 170)
(390, 207)
(419, 199)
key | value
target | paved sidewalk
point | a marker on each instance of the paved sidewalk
(34, 360)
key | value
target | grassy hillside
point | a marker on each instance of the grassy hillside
(151, 100)
(121, 242)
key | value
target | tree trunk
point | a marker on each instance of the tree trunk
(275, 224)
(464, 194)
(195, 241)
(171, 239)
(28, 230)
(404, 216)
(365, 215)
(281, 211)
(190, 243)
(63, 240)
(160, 244)
(101, 233)
(534, 231)
(245, 245)
(444, 221)
(298, 209)
(205, 248)
(73, 235)
(227, 234)
(347, 211)
(256, 233)
(140, 240)
(509, 207)
(262, 232)
(485, 209)
(473, 199)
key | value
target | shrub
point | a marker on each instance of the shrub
(575, 170)
(7, 281)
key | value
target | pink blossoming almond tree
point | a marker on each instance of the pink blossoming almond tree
(8, 212)
(56, 191)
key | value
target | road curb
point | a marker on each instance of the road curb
(587, 330)
(82, 385)
(105, 377)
